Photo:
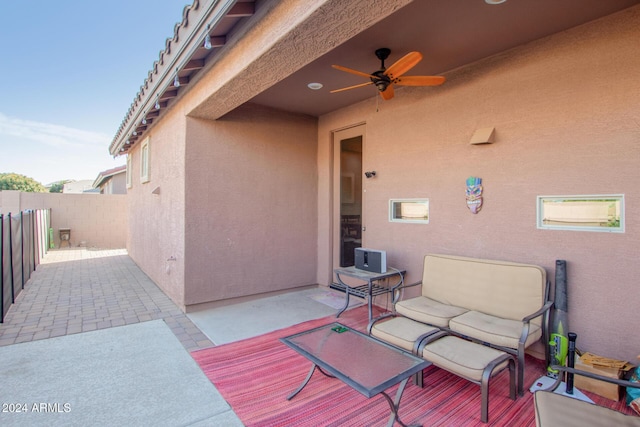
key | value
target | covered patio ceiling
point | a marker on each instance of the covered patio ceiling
(448, 33)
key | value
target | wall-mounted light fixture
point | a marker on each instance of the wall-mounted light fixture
(370, 174)
(176, 79)
(207, 38)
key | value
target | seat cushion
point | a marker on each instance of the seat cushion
(462, 357)
(558, 410)
(428, 311)
(493, 330)
(401, 332)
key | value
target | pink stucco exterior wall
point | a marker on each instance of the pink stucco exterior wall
(565, 110)
(251, 196)
(157, 207)
(95, 220)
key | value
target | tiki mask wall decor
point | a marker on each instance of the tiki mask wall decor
(474, 194)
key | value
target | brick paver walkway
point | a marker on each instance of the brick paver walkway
(78, 290)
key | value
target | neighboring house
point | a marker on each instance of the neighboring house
(77, 187)
(112, 181)
(242, 180)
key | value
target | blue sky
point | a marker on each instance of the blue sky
(69, 71)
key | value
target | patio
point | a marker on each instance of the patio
(93, 341)
(118, 340)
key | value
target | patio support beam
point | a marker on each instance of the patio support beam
(262, 50)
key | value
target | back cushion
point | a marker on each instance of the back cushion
(498, 288)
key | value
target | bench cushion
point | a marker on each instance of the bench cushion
(493, 330)
(462, 357)
(401, 332)
(429, 311)
(557, 410)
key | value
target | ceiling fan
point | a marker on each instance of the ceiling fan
(385, 78)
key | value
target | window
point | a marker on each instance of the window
(144, 161)
(128, 170)
(584, 213)
(409, 210)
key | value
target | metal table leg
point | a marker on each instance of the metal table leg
(304, 383)
(306, 380)
(395, 406)
(370, 300)
(346, 302)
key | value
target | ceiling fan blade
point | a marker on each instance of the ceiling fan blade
(351, 87)
(388, 93)
(356, 72)
(419, 80)
(403, 65)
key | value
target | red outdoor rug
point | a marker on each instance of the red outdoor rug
(255, 376)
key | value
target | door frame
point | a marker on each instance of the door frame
(337, 136)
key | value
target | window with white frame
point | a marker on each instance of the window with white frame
(409, 210)
(582, 213)
(129, 171)
(144, 161)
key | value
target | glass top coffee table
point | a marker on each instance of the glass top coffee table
(362, 362)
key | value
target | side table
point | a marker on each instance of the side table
(371, 288)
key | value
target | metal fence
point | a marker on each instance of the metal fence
(24, 240)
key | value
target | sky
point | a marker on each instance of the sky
(70, 70)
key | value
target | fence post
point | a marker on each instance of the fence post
(13, 294)
(1, 268)
(34, 241)
(22, 246)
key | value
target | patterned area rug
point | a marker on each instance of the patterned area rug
(335, 299)
(256, 375)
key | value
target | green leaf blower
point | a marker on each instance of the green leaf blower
(559, 342)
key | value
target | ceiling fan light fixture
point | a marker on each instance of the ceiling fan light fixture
(315, 86)
(382, 85)
(494, 1)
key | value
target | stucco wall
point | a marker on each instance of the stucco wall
(565, 110)
(156, 214)
(95, 220)
(118, 184)
(251, 197)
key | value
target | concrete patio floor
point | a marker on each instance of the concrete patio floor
(96, 342)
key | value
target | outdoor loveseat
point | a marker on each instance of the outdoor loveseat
(500, 304)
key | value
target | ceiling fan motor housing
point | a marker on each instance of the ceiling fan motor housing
(381, 81)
